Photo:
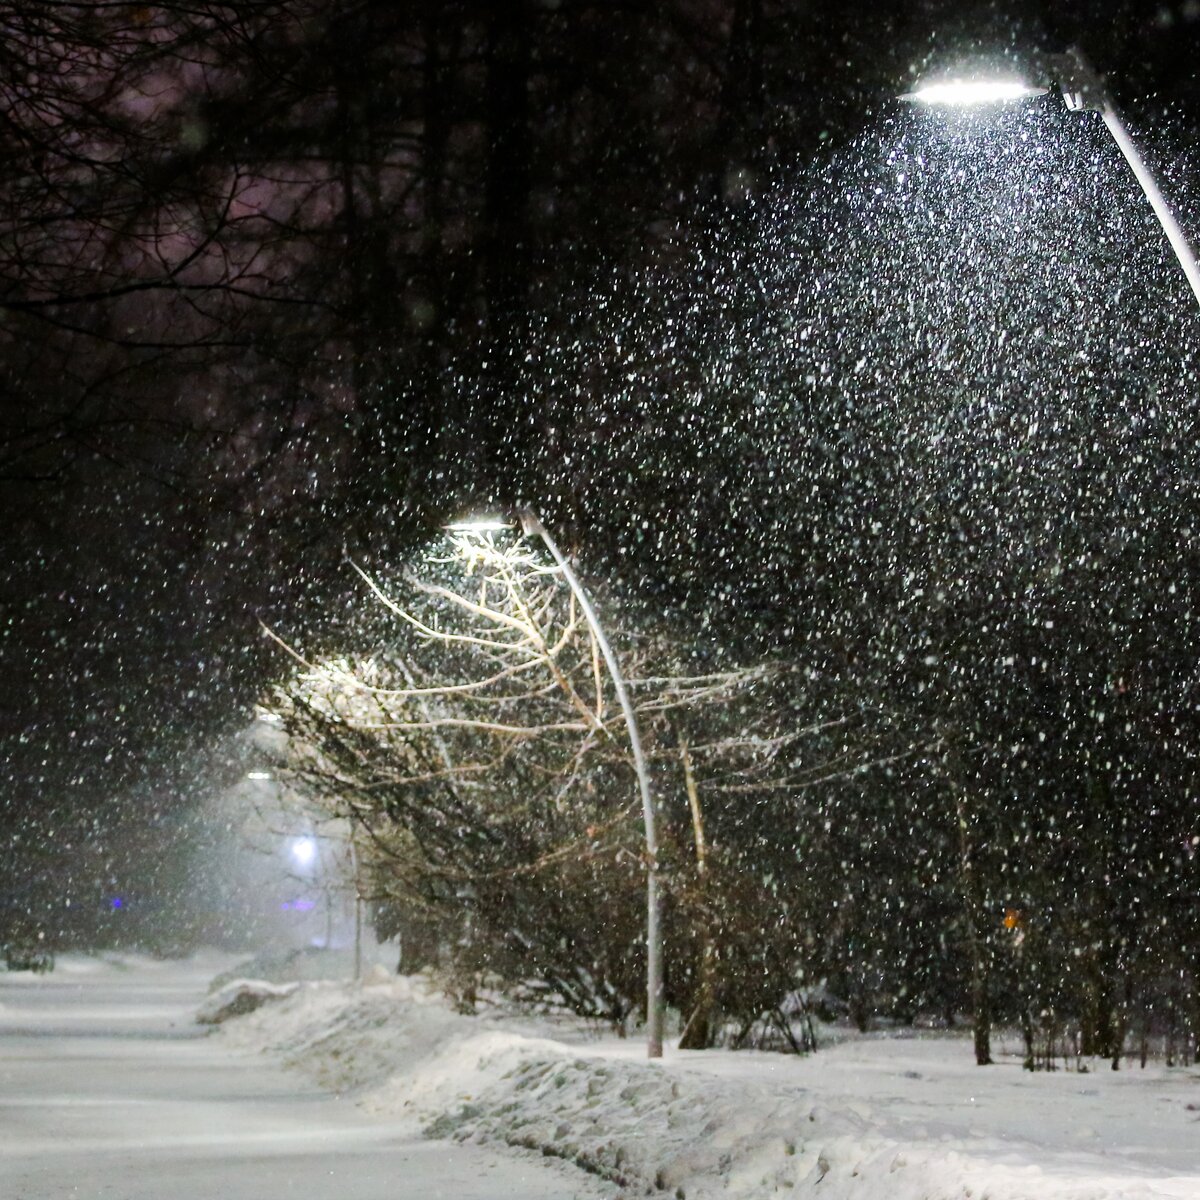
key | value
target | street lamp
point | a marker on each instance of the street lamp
(1082, 90)
(304, 851)
(531, 526)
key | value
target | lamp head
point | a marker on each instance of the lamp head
(474, 539)
(1016, 77)
(479, 525)
(965, 91)
(975, 75)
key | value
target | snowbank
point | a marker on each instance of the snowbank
(239, 997)
(307, 963)
(77, 966)
(905, 1119)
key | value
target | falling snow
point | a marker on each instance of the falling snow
(851, 681)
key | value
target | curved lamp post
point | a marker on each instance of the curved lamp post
(531, 526)
(1082, 90)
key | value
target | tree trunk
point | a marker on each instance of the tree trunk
(506, 236)
(433, 309)
(975, 911)
(739, 128)
(1096, 1020)
(1027, 1035)
(701, 1029)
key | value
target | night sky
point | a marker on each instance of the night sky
(283, 283)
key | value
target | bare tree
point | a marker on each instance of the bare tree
(481, 757)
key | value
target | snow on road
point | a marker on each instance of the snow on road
(882, 1118)
(109, 1089)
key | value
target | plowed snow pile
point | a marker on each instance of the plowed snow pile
(881, 1117)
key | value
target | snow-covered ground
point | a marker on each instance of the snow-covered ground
(902, 1118)
(108, 1088)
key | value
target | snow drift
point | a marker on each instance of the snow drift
(901, 1118)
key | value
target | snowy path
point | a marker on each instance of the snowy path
(107, 1089)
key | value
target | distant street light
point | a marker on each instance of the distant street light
(304, 851)
(1083, 90)
(532, 526)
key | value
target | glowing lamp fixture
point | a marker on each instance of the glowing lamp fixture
(304, 851)
(965, 92)
(480, 525)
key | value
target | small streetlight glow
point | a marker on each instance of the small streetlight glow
(474, 542)
(304, 851)
(479, 525)
(965, 92)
